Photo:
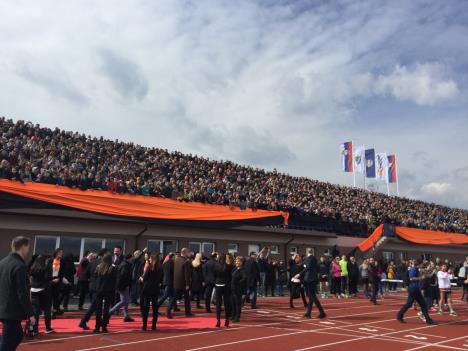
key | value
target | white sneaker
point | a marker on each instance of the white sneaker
(421, 316)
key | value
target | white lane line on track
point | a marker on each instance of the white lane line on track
(76, 337)
(439, 344)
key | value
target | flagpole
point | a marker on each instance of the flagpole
(388, 188)
(365, 168)
(396, 173)
(352, 162)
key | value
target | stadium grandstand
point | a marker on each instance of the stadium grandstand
(318, 213)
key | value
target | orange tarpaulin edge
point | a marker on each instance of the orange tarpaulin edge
(430, 237)
(372, 239)
(132, 205)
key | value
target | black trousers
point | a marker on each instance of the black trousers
(186, 296)
(375, 290)
(145, 302)
(414, 294)
(168, 294)
(295, 289)
(336, 286)
(65, 294)
(104, 301)
(12, 335)
(41, 301)
(91, 308)
(236, 300)
(223, 294)
(208, 293)
(56, 289)
(311, 291)
(353, 281)
(83, 290)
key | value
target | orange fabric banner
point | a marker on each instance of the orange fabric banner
(132, 205)
(372, 239)
(430, 237)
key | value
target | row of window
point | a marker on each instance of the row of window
(77, 247)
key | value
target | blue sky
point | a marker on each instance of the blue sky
(275, 84)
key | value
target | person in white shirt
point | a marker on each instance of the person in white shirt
(445, 288)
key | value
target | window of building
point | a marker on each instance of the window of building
(154, 245)
(403, 256)
(111, 243)
(92, 245)
(254, 248)
(208, 249)
(71, 246)
(293, 250)
(387, 255)
(45, 245)
(327, 252)
(426, 256)
(169, 246)
(312, 250)
(233, 248)
(194, 247)
(274, 249)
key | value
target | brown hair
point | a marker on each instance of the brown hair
(105, 267)
(18, 242)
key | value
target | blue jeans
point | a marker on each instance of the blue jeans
(169, 293)
(124, 301)
(262, 283)
(12, 335)
(252, 294)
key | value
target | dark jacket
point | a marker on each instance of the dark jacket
(182, 273)
(106, 283)
(15, 302)
(41, 279)
(117, 260)
(91, 274)
(168, 270)
(68, 269)
(197, 279)
(239, 282)
(124, 275)
(310, 273)
(253, 273)
(353, 270)
(208, 272)
(282, 274)
(152, 281)
(223, 276)
(82, 274)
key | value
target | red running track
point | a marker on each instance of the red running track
(352, 324)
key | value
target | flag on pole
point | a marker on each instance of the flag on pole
(392, 175)
(359, 160)
(382, 166)
(347, 156)
(370, 163)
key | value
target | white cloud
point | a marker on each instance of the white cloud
(424, 84)
(436, 188)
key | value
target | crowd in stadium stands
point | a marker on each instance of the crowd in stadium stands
(31, 153)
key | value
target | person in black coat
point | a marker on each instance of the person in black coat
(309, 276)
(353, 275)
(124, 281)
(55, 263)
(223, 279)
(253, 277)
(106, 281)
(196, 287)
(168, 283)
(83, 279)
(151, 284)
(68, 269)
(238, 288)
(15, 303)
(296, 289)
(138, 263)
(41, 277)
(208, 278)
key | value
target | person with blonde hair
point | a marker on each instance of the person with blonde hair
(196, 287)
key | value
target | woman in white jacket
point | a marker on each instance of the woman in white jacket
(445, 288)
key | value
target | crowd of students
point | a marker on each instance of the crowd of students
(111, 281)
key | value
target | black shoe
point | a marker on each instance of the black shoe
(218, 323)
(153, 325)
(96, 331)
(208, 311)
(401, 320)
(83, 326)
(322, 315)
(254, 308)
(176, 309)
(49, 331)
(431, 322)
(169, 316)
(236, 320)
(291, 305)
(128, 320)
(189, 315)
(104, 330)
(307, 315)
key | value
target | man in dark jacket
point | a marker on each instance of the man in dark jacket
(353, 276)
(124, 281)
(182, 278)
(168, 282)
(91, 272)
(309, 275)
(15, 303)
(118, 256)
(209, 278)
(253, 277)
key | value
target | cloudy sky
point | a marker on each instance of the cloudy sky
(275, 84)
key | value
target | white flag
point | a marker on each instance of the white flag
(359, 159)
(381, 169)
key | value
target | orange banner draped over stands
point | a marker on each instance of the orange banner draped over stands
(132, 205)
(372, 239)
(430, 237)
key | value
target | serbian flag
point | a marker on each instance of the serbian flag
(347, 156)
(392, 175)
